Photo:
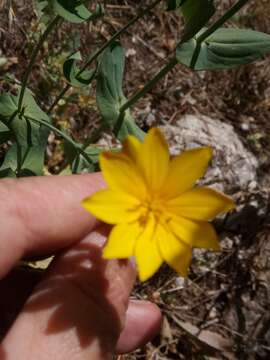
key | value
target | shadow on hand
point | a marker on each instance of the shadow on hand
(2, 353)
(78, 295)
(15, 289)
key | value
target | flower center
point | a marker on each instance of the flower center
(151, 207)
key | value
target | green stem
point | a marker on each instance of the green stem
(164, 71)
(92, 139)
(33, 59)
(19, 159)
(140, 14)
(195, 55)
(75, 166)
(96, 54)
(12, 117)
(58, 98)
(231, 12)
(64, 136)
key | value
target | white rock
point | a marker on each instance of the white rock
(233, 166)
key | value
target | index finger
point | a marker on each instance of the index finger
(43, 214)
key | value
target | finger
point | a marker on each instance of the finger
(143, 319)
(78, 310)
(43, 214)
(143, 322)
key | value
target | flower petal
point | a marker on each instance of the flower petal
(194, 233)
(176, 253)
(185, 169)
(112, 207)
(132, 147)
(154, 159)
(147, 254)
(121, 174)
(121, 241)
(201, 203)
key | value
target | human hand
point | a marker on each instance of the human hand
(81, 305)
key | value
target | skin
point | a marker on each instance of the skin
(80, 307)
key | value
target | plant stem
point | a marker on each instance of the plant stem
(140, 14)
(164, 71)
(64, 136)
(43, 37)
(58, 98)
(92, 139)
(231, 12)
(96, 54)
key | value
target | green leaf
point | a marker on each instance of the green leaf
(31, 165)
(31, 108)
(10, 162)
(110, 96)
(42, 8)
(44, 13)
(8, 105)
(93, 152)
(196, 14)
(4, 133)
(224, 49)
(71, 10)
(31, 139)
(77, 161)
(7, 173)
(82, 166)
(99, 11)
(71, 72)
(26, 156)
(74, 11)
(31, 136)
(174, 4)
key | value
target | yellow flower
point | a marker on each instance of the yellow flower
(157, 213)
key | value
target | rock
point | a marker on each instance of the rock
(233, 166)
(108, 141)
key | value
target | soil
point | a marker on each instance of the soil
(222, 310)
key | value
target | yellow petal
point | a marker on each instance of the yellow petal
(121, 242)
(208, 242)
(132, 147)
(147, 254)
(112, 207)
(121, 174)
(176, 253)
(200, 204)
(185, 169)
(194, 233)
(154, 159)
